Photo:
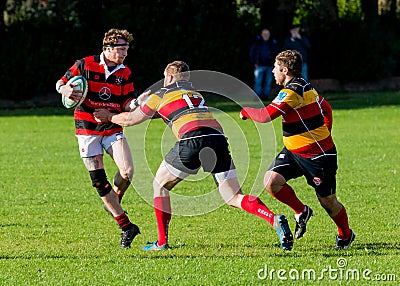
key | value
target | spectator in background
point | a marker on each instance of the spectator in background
(262, 55)
(300, 43)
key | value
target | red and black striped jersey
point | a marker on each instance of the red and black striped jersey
(182, 108)
(306, 118)
(111, 90)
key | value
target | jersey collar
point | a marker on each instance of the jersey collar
(107, 72)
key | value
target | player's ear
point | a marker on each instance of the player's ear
(169, 78)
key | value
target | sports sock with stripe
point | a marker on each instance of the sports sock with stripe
(255, 206)
(123, 221)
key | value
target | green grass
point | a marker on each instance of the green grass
(54, 231)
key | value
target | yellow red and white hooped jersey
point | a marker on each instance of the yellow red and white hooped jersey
(110, 90)
(181, 107)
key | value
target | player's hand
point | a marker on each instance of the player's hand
(102, 115)
(138, 101)
(243, 114)
(71, 93)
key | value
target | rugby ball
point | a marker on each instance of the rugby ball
(78, 83)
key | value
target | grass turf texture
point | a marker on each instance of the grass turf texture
(54, 231)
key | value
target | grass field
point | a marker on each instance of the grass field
(54, 231)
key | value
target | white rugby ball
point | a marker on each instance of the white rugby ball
(79, 83)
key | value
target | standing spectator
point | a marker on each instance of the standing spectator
(300, 43)
(200, 143)
(308, 150)
(262, 55)
(110, 84)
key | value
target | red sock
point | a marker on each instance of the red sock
(162, 208)
(123, 221)
(342, 224)
(287, 196)
(256, 207)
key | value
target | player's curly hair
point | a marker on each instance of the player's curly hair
(179, 69)
(113, 35)
(292, 60)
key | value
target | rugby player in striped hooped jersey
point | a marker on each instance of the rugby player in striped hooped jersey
(111, 86)
(308, 150)
(201, 143)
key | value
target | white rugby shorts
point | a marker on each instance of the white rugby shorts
(92, 145)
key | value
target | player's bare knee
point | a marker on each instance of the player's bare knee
(330, 204)
(160, 184)
(160, 190)
(269, 189)
(273, 182)
(269, 185)
(127, 174)
(100, 182)
(272, 188)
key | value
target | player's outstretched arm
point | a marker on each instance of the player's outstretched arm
(123, 119)
(256, 114)
(263, 115)
(138, 101)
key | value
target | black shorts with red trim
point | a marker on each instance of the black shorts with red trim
(320, 171)
(204, 148)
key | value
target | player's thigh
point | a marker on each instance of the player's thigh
(165, 179)
(121, 154)
(229, 187)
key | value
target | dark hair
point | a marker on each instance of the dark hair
(292, 60)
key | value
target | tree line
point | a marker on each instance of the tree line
(352, 40)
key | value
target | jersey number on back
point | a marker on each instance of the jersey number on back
(189, 102)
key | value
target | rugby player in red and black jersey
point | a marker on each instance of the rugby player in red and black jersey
(111, 86)
(308, 146)
(201, 143)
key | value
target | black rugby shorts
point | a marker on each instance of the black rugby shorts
(209, 151)
(320, 171)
